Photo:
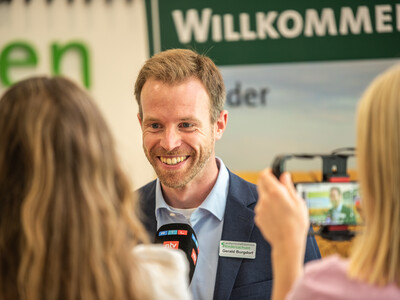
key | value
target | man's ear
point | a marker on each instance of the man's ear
(140, 119)
(221, 124)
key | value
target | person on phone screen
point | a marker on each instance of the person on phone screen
(339, 213)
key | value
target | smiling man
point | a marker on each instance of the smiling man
(179, 139)
(181, 98)
(339, 213)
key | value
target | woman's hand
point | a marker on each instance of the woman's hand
(282, 217)
(281, 214)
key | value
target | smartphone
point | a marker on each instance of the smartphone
(331, 203)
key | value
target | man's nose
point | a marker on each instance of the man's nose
(170, 140)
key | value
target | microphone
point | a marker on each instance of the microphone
(180, 236)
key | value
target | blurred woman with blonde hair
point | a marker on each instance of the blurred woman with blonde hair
(373, 269)
(67, 227)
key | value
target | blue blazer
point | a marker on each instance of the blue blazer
(236, 278)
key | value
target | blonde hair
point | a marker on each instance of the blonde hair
(67, 226)
(177, 65)
(376, 254)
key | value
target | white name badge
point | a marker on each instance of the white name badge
(237, 249)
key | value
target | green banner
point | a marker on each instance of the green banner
(259, 31)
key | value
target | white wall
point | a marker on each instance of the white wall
(114, 33)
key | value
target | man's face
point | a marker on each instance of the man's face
(178, 137)
(335, 198)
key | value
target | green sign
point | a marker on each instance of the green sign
(259, 31)
(23, 55)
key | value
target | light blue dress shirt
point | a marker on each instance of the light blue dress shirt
(207, 221)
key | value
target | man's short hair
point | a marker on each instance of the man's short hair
(177, 65)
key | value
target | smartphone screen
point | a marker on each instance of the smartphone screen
(331, 203)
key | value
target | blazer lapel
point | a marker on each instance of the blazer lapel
(147, 202)
(238, 225)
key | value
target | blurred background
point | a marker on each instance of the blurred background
(294, 70)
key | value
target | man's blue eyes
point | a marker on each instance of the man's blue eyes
(182, 125)
(186, 125)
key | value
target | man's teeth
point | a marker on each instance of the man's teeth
(172, 161)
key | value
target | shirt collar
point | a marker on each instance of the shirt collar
(339, 208)
(216, 200)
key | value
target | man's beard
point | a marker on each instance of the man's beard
(179, 179)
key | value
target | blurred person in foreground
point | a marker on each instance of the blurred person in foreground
(67, 230)
(373, 269)
(181, 97)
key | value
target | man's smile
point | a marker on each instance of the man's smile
(173, 160)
